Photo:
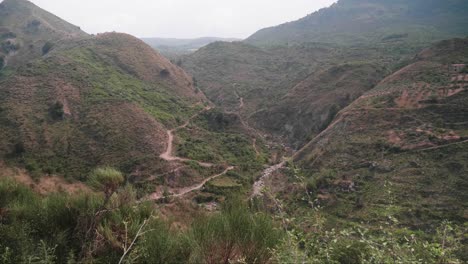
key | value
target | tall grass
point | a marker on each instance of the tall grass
(56, 229)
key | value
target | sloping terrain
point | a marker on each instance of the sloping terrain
(372, 21)
(87, 101)
(223, 69)
(407, 136)
(311, 105)
(173, 46)
(284, 88)
(28, 32)
(293, 84)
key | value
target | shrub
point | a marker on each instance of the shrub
(106, 179)
(465, 70)
(9, 46)
(56, 111)
(47, 47)
(235, 234)
(164, 73)
(161, 245)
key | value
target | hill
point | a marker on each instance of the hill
(372, 21)
(173, 46)
(27, 32)
(86, 100)
(288, 92)
(407, 135)
(293, 84)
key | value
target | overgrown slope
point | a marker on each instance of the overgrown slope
(288, 92)
(407, 136)
(376, 21)
(28, 32)
(87, 100)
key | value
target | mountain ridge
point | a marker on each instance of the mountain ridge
(360, 21)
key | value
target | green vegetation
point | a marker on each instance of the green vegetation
(231, 148)
(383, 183)
(414, 21)
(317, 234)
(108, 82)
(218, 137)
(47, 47)
(60, 228)
(56, 111)
(223, 186)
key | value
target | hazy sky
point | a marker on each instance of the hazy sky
(180, 18)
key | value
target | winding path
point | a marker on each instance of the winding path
(168, 154)
(179, 192)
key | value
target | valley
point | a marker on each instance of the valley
(341, 137)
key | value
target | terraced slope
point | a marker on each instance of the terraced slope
(408, 136)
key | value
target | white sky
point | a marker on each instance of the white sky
(180, 18)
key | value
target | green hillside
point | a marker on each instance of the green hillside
(409, 133)
(28, 32)
(340, 138)
(70, 102)
(372, 21)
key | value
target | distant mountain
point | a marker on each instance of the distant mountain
(182, 46)
(364, 21)
(293, 90)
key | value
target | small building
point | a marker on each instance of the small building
(457, 68)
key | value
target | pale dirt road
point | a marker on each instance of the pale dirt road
(168, 154)
(183, 191)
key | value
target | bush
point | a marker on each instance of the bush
(164, 73)
(47, 47)
(56, 111)
(60, 228)
(235, 234)
(106, 179)
(465, 70)
(162, 245)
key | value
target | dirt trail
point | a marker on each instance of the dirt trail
(254, 133)
(179, 192)
(259, 185)
(168, 154)
(439, 147)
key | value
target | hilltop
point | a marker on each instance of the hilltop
(175, 46)
(28, 32)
